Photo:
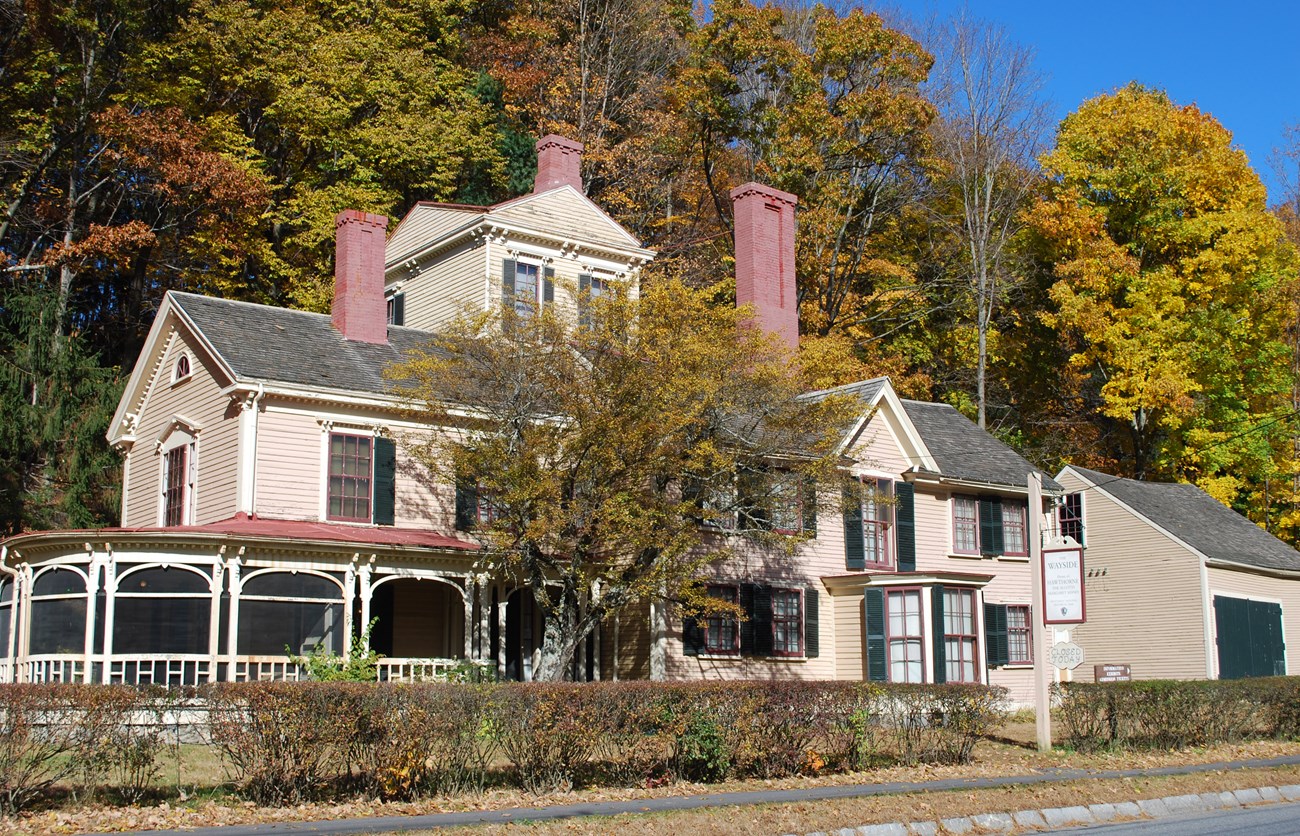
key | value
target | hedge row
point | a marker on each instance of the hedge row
(1170, 714)
(283, 743)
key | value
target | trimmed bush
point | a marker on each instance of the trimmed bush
(1170, 714)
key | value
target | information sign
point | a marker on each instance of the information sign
(1063, 601)
(1065, 655)
(1112, 673)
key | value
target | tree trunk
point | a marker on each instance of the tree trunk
(560, 641)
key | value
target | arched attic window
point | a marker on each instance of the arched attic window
(181, 370)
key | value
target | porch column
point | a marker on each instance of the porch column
(234, 584)
(484, 618)
(364, 573)
(25, 619)
(214, 617)
(501, 631)
(92, 596)
(467, 595)
(110, 611)
(349, 597)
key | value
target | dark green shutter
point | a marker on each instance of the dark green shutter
(991, 525)
(996, 648)
(747, 623)
(584, 300)
(854, 554)
(399, 309)
(905, 526)
(811, 636)
(385, 481)
(762, 620)
(692, 636)
(940, 648)
(584, 282)
(873, 614)
(808, 500)
(548, 285)
(508, 281)
(466, 504)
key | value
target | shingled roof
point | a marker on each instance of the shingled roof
(1199, 520)
(260, 342)
(964, 451)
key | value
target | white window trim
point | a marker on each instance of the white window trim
(180, 433)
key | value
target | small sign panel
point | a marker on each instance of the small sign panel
(1112, 673)
(1065, 655)
(1063, 586)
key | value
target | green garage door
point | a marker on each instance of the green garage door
(1249, 637)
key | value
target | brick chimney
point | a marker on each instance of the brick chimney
(559, 161)
(765, 258)
(359, 311)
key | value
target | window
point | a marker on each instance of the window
(904, 635)
(787, 622)
(1020, 644)
(181, 369)
(1014, 541)
(487, 510)
(397, 309)
(1069, 517)
(965, 525)
(785, 504)
(58, 616)
(177, 475)
(877, 522)
(589, 287)
(349, 478)
(6, 611)
(959, 635)
(722, 632)
(526, 287)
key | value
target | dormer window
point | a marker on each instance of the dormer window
(181, 370)
(526, 286)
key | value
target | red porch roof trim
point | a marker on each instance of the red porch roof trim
(260, 528)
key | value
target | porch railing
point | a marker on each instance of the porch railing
(177, 669)
(414, 670)
(55, 668)
(195, 669)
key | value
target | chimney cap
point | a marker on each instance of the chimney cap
(559, 141)
(358, 216)
(753, 188)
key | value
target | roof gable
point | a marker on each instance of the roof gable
(1194, 518)
(566, 213)
(428, 222)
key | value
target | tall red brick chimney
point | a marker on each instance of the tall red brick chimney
(765, 258)
(559, 161)
(359, 311)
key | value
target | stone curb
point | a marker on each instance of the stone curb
(1056, 817)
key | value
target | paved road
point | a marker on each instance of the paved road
(696, 802)
(1269, 820)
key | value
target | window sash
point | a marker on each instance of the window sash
(877, 523)
(1020, 644)
(528, 282)
(174, 494)
(787, 622)
(1069, 517)
(960, 643)
(722, 632)
(350, 477)
(904, 635)
(1014, 541)
(965, 525)
(785, 513)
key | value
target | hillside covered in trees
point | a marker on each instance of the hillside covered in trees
(1113, 291)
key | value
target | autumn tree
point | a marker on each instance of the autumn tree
(601, 450)
(1170, 285)
(987, 135)
(827, 107)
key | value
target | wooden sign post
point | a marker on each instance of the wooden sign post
(1042, 695)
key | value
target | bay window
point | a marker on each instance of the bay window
(905, 635)
(959, 643)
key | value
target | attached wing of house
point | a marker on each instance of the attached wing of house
(1178, 584)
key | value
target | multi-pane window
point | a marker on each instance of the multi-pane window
(785, 512)
(350, 477)
(1069, 516)
(722, 631)
(1013, 528)
(904, 635)
(787, 622)
(959, 635)
(1020, 646)
(527, 279)
(488, 511)
(182, 369)
(965, 525)
(877, 522)
(176, 490)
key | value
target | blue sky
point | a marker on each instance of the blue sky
(1239, 61)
